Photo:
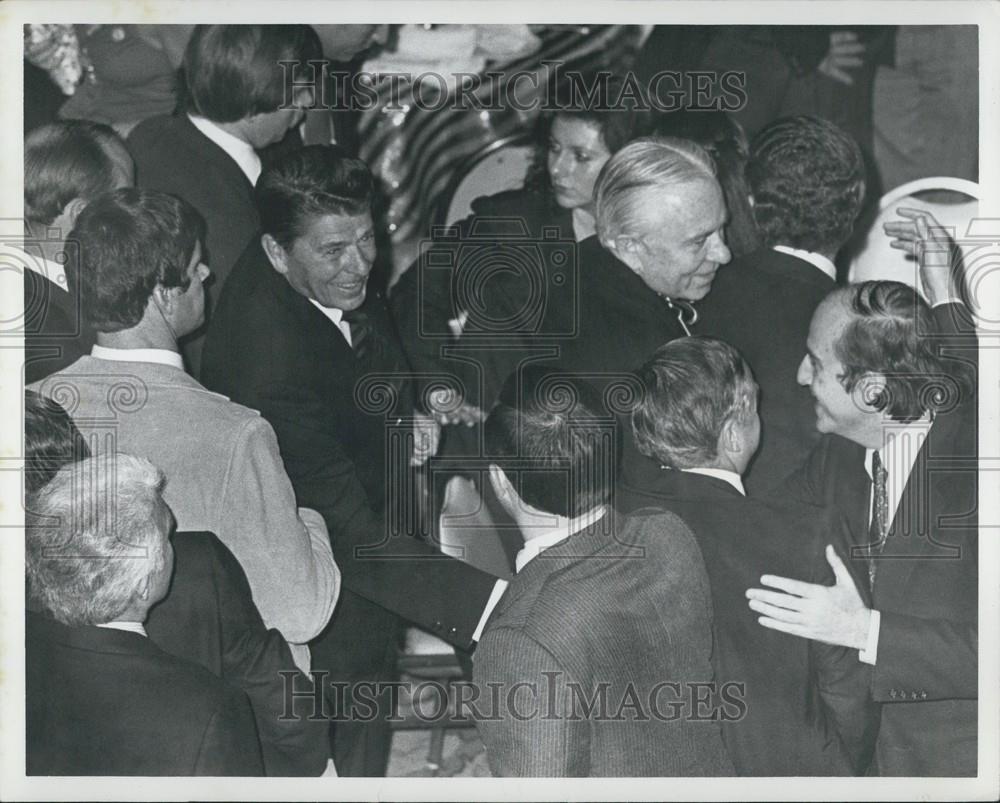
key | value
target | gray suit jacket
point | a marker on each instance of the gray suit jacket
(596, 662)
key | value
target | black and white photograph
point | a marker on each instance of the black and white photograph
(500, 400)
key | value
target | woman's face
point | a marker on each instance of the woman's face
(576, 156)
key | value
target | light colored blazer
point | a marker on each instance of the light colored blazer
(224, 474)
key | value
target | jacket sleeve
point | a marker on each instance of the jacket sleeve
(258, 661)
(402, 574)
(902, 664)
(522, 739)
(289, 566)
(229, 746)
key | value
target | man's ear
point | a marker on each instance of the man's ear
(71, 212)
(501, 484)
(731, 437)
(275, 253)
(751, 200)
(871, 391)
(626, 248)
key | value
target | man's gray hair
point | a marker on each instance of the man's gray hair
(650, 162)
(95, 535)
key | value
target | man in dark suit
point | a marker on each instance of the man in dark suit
(238, 99)
(807, 708)
(294, 336)
(898, 457)
(66, 165)
(102, 699)
(807, 180)
(593, 613)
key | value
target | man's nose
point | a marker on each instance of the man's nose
(203, 271)
(720, 252)
(804, 375)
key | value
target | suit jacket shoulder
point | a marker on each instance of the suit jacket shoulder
(106, 702)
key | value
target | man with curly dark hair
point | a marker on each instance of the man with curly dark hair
(807, 183)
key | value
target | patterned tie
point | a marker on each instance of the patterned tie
(878, 530)
(364, 339)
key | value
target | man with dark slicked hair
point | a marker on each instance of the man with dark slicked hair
(299, 335)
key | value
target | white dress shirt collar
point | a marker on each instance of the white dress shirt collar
(820, 261)
(160, 356)
(536, 546)
(901, 445)
(731, 477)
(130, 627)
(336, 316)
(239, 151)
(35, 262)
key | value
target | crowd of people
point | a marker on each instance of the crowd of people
(743, 491)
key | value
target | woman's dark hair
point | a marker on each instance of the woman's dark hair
(307, 183)
(724, 138)
(131, 240)
(232, 72)
(614, 107)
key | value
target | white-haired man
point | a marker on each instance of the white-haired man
(102, 699)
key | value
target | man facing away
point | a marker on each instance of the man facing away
(141, 291)
(66, 165)
(807, 709)
(606, 627)
(807, 183)
(102, 699)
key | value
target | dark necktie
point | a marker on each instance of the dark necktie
(364, 338)
(878, 529)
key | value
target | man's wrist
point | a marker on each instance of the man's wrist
(868, 651)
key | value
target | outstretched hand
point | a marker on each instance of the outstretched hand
(831, 614)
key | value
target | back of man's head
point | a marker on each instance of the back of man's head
(71, 160)
(98, 535)
(131, 240)
(233, 72)
(807, 177)
(691, 388)
(549, 437)
(307, 183)
(649, 163)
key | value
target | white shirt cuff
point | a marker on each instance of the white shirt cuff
(944, 301)
(870, 652)
(499, 588)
